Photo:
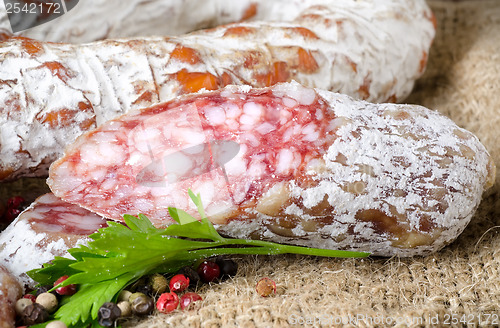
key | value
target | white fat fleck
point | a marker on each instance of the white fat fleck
(143, 205)
(302, 95)
(285, 158)
(288, 102)
(265, 128)
(236, 166)
(215, 115)
(249, 120)
(252, 109)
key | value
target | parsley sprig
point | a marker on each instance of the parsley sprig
(120, 254)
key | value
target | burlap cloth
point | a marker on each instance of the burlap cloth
(459, 285)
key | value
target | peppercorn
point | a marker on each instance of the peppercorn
(124, 295)
(133, 296)
(48, 301)
(141, 304)
(108, 313)
(12, 209)
(209, 271)
(167, 302)
(189, 272)
(66, 290)
(228, 267)
(158, 283)
(139, 282)
(146, 289)
(43, 289)
(21, 304)
(56, 324)
(11, 214)
(189, 301)
(178, 283)
(30, 296)
(33, 314)
(266, 287)
(125, 307)
(15, 202)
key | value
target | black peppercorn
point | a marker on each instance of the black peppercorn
(43, 289)
(189, 272)
(108, 313)
(145, 289)
(139, 282)
(33, 314)
(228, 267)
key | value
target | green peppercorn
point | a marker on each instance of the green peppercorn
(141, 304)
(108, 313)
(133, 296)
(158, 283)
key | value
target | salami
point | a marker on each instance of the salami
(311, 167)
(92, 21)
(51, 93)
(10, 292)
(46, 229)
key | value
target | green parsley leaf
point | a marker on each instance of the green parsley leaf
(119, 255)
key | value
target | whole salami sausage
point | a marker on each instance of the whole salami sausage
(104, 19)
(50, 93)
(48, 228)
(289, 164)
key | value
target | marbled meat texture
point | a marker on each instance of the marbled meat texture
(313, 168)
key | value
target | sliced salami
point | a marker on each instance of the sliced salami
(50, 93)
(10, 292)
(48, 228)
(310, 167)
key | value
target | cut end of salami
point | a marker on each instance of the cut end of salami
(312, 167)
(48, 228)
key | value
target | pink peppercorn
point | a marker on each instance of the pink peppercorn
(167, 302)
(66, 290)
(188, 301)
(178, 283)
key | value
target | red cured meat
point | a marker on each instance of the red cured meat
(277, 138)
(309, 167)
